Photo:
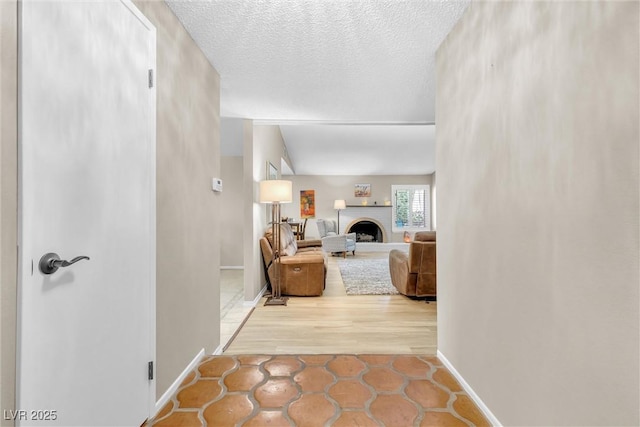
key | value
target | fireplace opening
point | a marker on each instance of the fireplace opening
(366, 231)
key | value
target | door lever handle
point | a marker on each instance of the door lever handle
(51, 262)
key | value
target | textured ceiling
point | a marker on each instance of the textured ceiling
(323, 61)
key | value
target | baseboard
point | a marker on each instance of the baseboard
(218, 351)
(472, 394)
(232, 267)
(235, 334)
(171, 390)
(257, 299)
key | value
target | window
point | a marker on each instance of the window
(411, 208)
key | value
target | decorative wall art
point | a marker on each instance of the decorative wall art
(307, 204)
(363, 190)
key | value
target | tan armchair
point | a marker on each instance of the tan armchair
(414, 274)
(303, 263)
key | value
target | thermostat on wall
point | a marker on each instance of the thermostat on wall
(216, 185)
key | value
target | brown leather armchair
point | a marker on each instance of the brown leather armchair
(414, 274)
(303, 269)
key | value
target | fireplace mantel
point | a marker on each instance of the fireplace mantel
(368, 206)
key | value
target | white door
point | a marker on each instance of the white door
(87, 188)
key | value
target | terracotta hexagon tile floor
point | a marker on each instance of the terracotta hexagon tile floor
(311, 410)
(355, 418)
(347, 366)
(427, 394)
(394, 410)
(319, 390)
(267, 418)
(314, 378)
(383, 379)
(196, 395)
(276, 393)
(283, 366)
(350, 393)
(244, 379)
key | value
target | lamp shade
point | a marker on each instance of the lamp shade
(339, 204)
(276, 190)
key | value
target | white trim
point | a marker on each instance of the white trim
(472, 394)
(166, 396)
(151, 158)
(218, 350)
(257, 299)
(142, 18)
(341, 122)
(232, 267)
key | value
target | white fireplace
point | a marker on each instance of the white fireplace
(378, 214)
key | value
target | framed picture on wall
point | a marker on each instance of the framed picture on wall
(363, 190)
(272, 171)
(307, 204)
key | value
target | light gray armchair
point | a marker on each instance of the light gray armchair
(333, 242)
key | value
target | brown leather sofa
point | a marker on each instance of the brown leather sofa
(303, 263)
(414, 274)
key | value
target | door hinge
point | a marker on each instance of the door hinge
(150, 370)
(150, 79)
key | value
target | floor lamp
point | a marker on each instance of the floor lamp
(276, 191)
(339, 205)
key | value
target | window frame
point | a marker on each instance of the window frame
(427, 207)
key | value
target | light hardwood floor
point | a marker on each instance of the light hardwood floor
(337, 323)
(233, 310)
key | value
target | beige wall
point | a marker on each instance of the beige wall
(262, 144)
(252, 275)
(8, 201)
(232, 207)
(188, 211)
(538, 207)
(329, 188)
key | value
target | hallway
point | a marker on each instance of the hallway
(538, 208)
(331, 360)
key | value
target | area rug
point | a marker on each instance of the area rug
(362, 276)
